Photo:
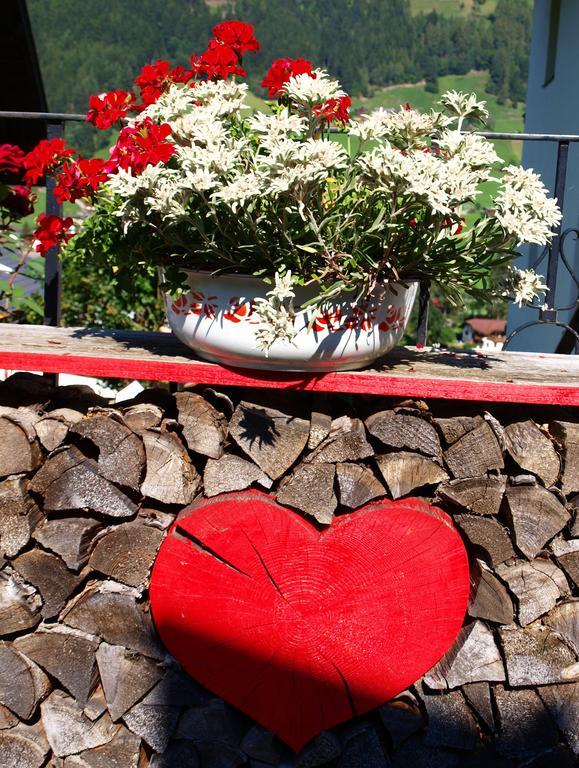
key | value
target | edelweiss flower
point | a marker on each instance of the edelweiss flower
(464, 105)
(523, 285)
(523, 208)
(223, 97)
(236, 193)
(329, 154)
(276, 126)
(474, 150)
(276, 321)
(173, 103)
(307, 90)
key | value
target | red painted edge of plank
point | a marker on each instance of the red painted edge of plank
(359, 382)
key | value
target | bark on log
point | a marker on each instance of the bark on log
(346, 442)
(320, 421)
(478, 696)
(562, 702)
(564, 619)
(409, 432)
(67, 655)
(68, 730)
(475, 454)
(70, 481)
(21, 748)
(533, 451)
(126, 552)
(23, 685)
(141, 417)
(19, 452)
(526, 728)
(121, 457)
(567, 435)
(404, 472)
(110, 611)
(70, 538)
(19, 515)
(357, 485)
(536, 585)
(474, 657)
(20, 604)
(311, 489)
(179, 754)
(567, 554)
(53, 427)
(232, 473)
(204, 427)
(126, 677)
(7, 719)
(535, 655)
(490, 599)
(536, 515)
(272, 439)
(154, 723)
(401, 717)
(489, 535)
(479, 495)
(455, 427)
(450, 722)
(170, 477)
(50, 576)
(122, 751)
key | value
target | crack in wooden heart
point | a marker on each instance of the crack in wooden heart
(302, 629)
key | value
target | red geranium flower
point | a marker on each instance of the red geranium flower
(18, 201)
(141, 145)
(154, 79)
(280, 72)
(108, 108)
(237, 35)
(11, 158)
(335, 110)
(45, 158)
(217, 63)
(51, 231)
(80, 179)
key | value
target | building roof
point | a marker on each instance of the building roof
(487, 326)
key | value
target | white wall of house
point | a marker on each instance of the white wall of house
(552, 108)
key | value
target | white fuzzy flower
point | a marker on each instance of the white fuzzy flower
(474, 150)
(329, 154)
(523, 285)
(277, 126)
(236, 193)
(384, 166)
(307, 90)
(276, 320)
(177, 100)
(523, 208)
(222, 97)
(464, 105)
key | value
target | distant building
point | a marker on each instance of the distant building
(486, 332)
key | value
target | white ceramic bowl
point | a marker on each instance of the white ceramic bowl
(216, 318)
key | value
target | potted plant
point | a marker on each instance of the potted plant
(281, 242)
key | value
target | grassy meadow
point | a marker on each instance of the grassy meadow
(452, 7)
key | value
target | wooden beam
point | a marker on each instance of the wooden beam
(408, 372)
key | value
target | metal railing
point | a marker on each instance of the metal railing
(547, 313)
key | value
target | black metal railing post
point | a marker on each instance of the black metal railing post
(549, 313)
(52, 268)
(423, 309)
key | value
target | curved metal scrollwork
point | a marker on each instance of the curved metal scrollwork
(547, 313)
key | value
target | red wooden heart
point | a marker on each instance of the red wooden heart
(301, 629)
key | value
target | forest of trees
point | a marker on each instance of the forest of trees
(90, 47)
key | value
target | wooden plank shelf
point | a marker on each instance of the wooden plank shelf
(405, 372)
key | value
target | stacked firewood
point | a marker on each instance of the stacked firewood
(88, 492)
